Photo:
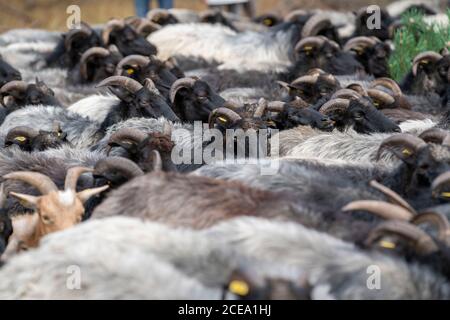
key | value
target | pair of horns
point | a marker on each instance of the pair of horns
(315, 24)
(13, 88)
(315, 42)
(45, 185)
(425, 56)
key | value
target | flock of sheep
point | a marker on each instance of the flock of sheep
(94, 206)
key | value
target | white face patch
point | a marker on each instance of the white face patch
(66, 197)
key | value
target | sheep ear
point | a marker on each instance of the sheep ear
(26, 200)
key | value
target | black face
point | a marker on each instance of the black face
(78, 46)
(376, 60)
(100, 68)
(49, 140)
(218, 17)
(157, 71)
(8, 73)
(328, 58)
(293, 117)
(130, 42)
(366, 118)
(165, 19)
(114, 178)
(196, 103)
(40, 94)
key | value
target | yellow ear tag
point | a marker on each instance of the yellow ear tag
(445, 194)
(130, 71)
(376, 104)
(387, 244)
(267, 22)
(406, 152)
(222, 119)
(20, 139)
(238, 287)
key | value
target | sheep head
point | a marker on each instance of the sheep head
(193, 99)
(127, 40)
(57, 209)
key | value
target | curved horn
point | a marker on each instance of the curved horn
(387, 83)
(436, 219)
(381, 96)
(85, 194)
(146, 27)
(13, 86)
(434, 135)
(178, 84)
(310, 79)
(72, 177)
(38, 180)
(132, 135)
(293, 15)
(276, 106)
(157, 162)
(346, 94)
(402, 140)
(21, 131)
(110, 27)
(309, 42)
(438, 182)
(261, 109)
(88, 54)
(225, 114)
(358, 88)
(423, 243)
(72, 34)
(2, 196)
(333, 105)
(315, 24)
(131, 60)
(393, 196)
(382, 209)
(156, 14)
(130, 84)
(124, 165)
(358, 42)
(427, 55)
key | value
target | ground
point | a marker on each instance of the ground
(51, 14)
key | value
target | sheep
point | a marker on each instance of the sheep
(412, 177)
(81, 132)
(217, 42)
(28, 139)
(325, 262)
(19, 94)
(55, 210)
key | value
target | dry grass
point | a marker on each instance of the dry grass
(51, 14)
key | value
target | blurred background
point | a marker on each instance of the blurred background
(51, 14)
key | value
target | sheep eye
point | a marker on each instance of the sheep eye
(46, 220)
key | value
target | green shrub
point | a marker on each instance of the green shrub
(414, 37)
